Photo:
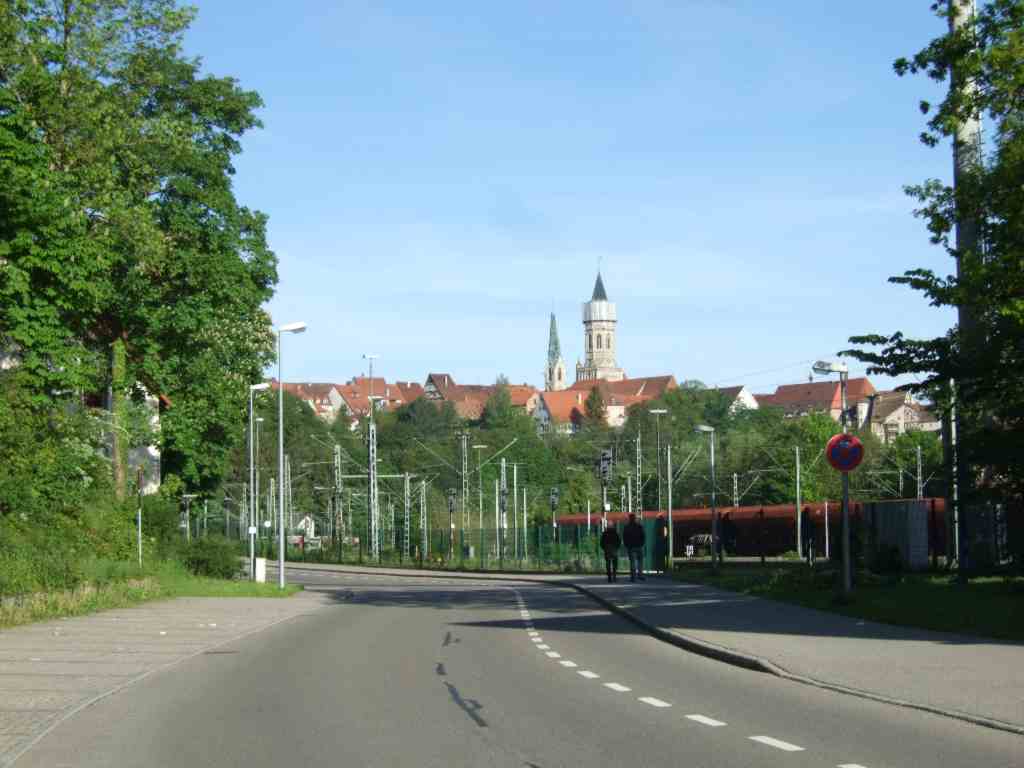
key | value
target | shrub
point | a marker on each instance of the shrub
(214, 557)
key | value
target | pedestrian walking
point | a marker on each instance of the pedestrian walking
(610, 543)
(809, 530)
(633, 538)
(660, 544)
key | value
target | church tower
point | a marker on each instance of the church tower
(599, 322)
(554, 373)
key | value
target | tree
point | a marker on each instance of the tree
(131, 256)
(498, 411)
(985, 356)
(594, 410)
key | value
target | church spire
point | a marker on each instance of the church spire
(554, 371)
(599, 294)
(554, 348)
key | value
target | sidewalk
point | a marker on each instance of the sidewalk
(50, 670)
(976, 679)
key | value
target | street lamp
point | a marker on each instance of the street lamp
(253, 388)
(715, 548)
(480, 482)
(658, 413)
(824, 368)
(283, 329)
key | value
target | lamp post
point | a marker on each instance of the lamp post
(824, 368)
(253, 388)
(715, 548)
(289, 328)
(480, 481)
(658, 413)
(256, 515)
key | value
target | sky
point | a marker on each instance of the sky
(442, 176)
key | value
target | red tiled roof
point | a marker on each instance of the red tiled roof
(646, 387)
(817, 395)
(565, 406)
(521, 394)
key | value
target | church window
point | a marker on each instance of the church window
(559, 376)
(598, 341)
(590, 343)
(609, 344)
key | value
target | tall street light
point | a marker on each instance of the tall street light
(281, 330)
(253, 388)
(715, 548)
(658, 413)
(480, 481)
(824, 368)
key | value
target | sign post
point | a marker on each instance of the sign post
(845, 453)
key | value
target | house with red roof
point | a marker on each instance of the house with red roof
(819, 397)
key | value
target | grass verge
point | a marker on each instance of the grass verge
(118, 585)
(987, 606)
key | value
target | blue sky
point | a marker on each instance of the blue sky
(441, 176)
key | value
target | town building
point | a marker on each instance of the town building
(599, 343)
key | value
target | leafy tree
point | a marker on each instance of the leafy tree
(985, 354)
(594, 409)
(498, 411)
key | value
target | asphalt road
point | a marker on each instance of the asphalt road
(434, 672)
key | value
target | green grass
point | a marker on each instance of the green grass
(112, 584)
(989, 606)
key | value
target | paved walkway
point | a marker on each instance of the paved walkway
(974, 678)
(50, 670)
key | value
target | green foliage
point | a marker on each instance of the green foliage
(984, 353)
(213, 557)
(594, 409)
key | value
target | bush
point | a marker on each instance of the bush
(214, 557)
(887, 560)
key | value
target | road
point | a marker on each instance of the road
(443, 672)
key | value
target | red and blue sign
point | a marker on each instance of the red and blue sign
(844, 452)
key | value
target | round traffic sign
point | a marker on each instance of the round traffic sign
(844, 452)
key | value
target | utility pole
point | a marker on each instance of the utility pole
(515, 508)
(372, 500)
(629, 489)
(639, 479)
(668, 461)
(920, 475)
(408, 515)
(464, 441)
(525, 525)
(138, 514)
(424, 529)
(503, 521)
(799, 517)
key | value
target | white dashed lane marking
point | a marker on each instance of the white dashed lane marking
(618, 687)
(553, 655)
(849, 765)
(703, 720)
(654, 702)
(569, 664)
(785, 746)
(588, 674)
(536, 639)
(544, 647)
(533, 633)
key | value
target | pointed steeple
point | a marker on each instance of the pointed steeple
(554, 348)
(599, 294)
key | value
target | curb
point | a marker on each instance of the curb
(710, 650)
(757, 664)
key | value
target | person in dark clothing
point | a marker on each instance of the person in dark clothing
(730, 535)
(633, 538)
(610, 543)
(660, 544)
(809, 531)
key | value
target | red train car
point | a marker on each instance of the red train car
(769, 529)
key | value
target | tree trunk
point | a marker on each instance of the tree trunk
(118, 406)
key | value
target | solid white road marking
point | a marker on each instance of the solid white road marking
(849, 765)
(783, 745)
(553, 655)
(654, 702)
(588, 674)
(703, 720)
(617, 687)
(569, 664)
